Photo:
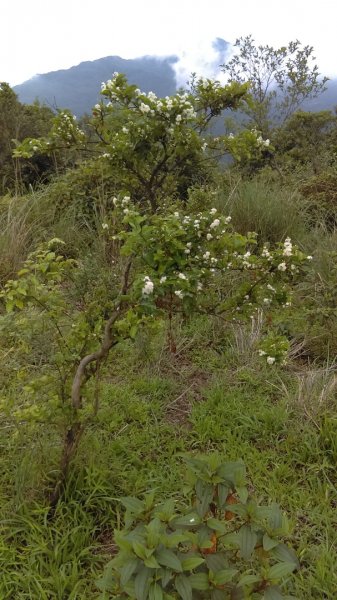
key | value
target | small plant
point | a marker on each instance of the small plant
(220, 545)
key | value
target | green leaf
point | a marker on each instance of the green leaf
(216, 562)
(247, 540)
(233, 472)
(128, 569)
(151, 562)
(167, 558)
(183, 587)
(224, 576)
(269, 543)
(273, 593)
(223, 491)
(280, 570)
(248, 580)
(188, 564)
(142, 583)
(217, 525)
(155, 592)
(191, 520)
(139, 549)
(204, 501)
(285, 554)
(134, 505)
(199, 581)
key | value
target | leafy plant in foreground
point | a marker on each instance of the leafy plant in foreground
(222, 545)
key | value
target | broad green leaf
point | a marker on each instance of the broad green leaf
(142, 583)
(233, 472)
(188, 564)
(191, 520)
(216, 562)
(247, 541)
(128, 569)
(183, 587)
(155, 592)
(151, 562)
(248, 580)
(269, 543)
(139, 549)
(273, 593)
(217, 525)
(223, 491)
(280, 570)
(224, 576)
(285, 554)
(167, 558)
(134, 505)
(199, 581)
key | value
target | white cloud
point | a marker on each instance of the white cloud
(43, 35)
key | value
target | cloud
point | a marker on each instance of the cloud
(203, 58)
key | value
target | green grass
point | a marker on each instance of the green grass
(150, 413)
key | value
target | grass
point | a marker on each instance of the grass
(150, 413)
(213, 394)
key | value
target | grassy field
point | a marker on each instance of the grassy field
(212, 395)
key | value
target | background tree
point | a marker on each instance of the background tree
(18, 121)
(280, 79)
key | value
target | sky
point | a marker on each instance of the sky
(38, 36)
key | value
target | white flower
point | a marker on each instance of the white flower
(215, 223)
(178, 118)
(266, 301)
(179, 293)
(213, 211)
(287, 247)
(204, 146)
(209, 236)
(97, 106)
(247, 255)
(282, 266)
(182, 276)
(199, 286)
(266, 143)
(206, 255)
(163, 279)
(148, 286)
(309, 257)
(125, 130)
(144, 108)
(265, 252)
(271, 288)
(189, 245)
(187, 251)
(176, 214)
(270, 360)
(228, 220)
(262, 353)
(231, 136)
(152, 96)
(105, 226)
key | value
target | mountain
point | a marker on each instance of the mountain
(78, 88)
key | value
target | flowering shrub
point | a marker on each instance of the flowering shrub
(156, 146)
(222, 545)
(184, 260)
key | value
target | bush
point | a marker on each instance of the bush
(221, 545)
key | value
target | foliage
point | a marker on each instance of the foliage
(154, 146)
(280, 79)
(221, 545)
(18, 121)
(306, 139)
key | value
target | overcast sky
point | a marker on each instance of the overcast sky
(38, 36)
